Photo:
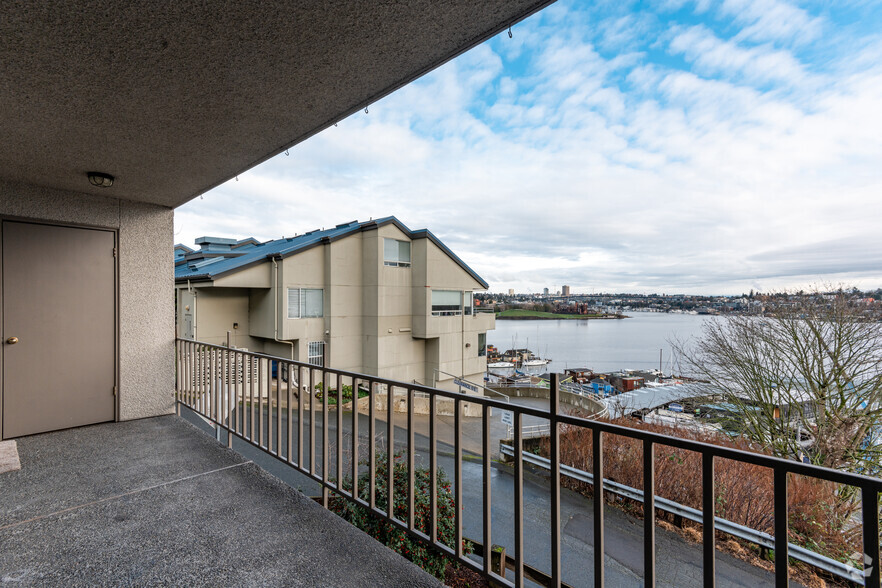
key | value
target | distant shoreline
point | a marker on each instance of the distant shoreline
(535, 316)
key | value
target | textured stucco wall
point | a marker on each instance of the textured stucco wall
(146, 304)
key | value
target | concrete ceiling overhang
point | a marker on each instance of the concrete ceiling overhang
(175, 98)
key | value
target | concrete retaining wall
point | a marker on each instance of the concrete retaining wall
(584, 402)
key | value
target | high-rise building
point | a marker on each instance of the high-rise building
(565, 291)
(511, 291)
(545, 291)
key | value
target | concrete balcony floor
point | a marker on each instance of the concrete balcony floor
(157, 502)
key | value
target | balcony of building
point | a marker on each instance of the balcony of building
(157, 502)
(550, 536)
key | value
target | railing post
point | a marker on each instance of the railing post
(179, 376)
(289, 398)
(870, 513)
(302, 395)
(554, 457)
(487, 510)
(390, 450)
(411, 516)
(648, 514)
(518, 501)
(372, 450)
(313, 401)
(781, 547)
(228, 387)
(597, 458)
(708, 503)
(433, 472)
(339, 421)
(457, 476)
(326, 450)
(356, 454)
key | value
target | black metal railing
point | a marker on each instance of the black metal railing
(237, 391)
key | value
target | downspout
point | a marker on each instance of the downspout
(277, 282)
(462, 338)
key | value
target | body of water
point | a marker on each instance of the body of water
(602, 345)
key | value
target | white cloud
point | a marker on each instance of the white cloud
(772, 20)
(616, 173)
(711, 55)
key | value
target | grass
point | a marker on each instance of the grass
(538, 314)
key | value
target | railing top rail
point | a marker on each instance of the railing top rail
(776, 463)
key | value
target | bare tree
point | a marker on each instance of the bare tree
(805, 379)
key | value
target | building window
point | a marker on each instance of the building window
(468, 301)
(446, 303)
(482, 344)
(396, 253)
(316, 353)
(305, 303)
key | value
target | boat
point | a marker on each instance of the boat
(500, 364)
(535, 362)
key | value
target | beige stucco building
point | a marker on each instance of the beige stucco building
(371, 297)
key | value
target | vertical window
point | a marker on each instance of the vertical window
(305, 303)
(482, 344)
(316, 353)
(396, 253)
(468, 301)
(446, 302)
(312, 303)
(293, 303)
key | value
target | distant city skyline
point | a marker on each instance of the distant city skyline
(688, 146)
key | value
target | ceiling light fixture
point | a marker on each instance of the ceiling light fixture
(100, 179)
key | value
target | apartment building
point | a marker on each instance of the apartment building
(371, 297)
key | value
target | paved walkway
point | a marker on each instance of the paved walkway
(156, 502)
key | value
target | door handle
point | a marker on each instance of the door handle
(12, 340)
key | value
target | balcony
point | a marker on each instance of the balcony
(157, 502)
(285, 423)
(484, 319)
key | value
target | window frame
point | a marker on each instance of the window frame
(301, 303)
(448, 310)
(311, 356)
(397, 262)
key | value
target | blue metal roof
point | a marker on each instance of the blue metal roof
(258, 252)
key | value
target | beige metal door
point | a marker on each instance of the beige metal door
(59, 327)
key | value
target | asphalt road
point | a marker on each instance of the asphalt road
(678, 562)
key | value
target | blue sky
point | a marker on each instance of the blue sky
(670, 146)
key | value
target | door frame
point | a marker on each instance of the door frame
(116, 331)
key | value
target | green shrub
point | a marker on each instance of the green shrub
(431, 560)
(332, 393)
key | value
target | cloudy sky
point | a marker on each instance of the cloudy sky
(706, 146)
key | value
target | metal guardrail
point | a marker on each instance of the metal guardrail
(760, 538)
(532, 432)
(212, 380)
(470, 383)
(582, 390)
